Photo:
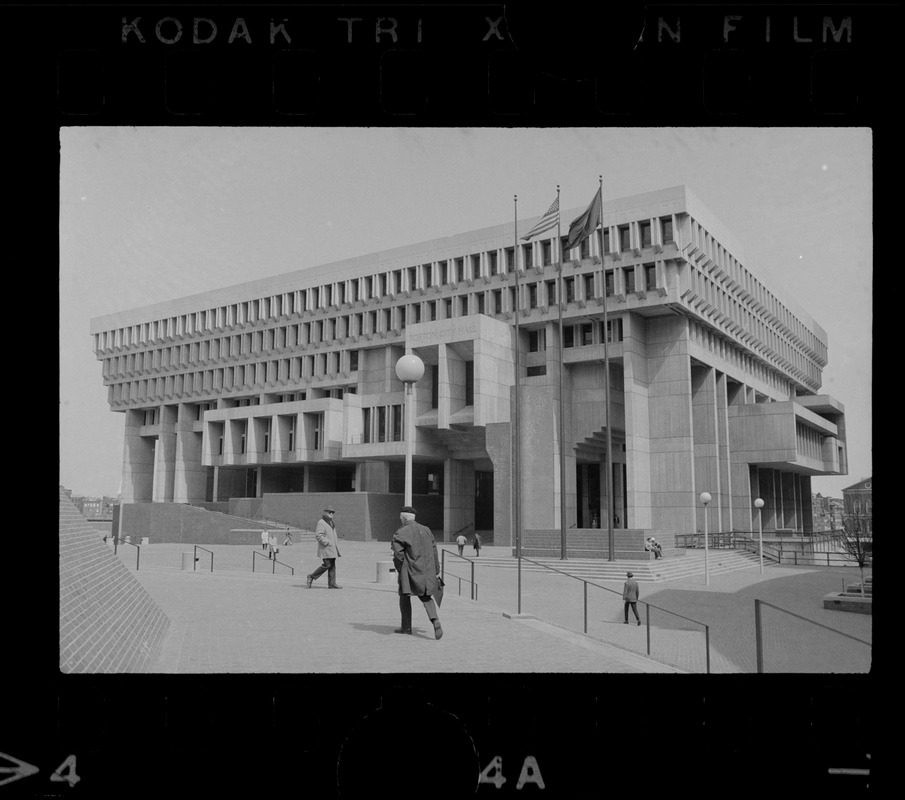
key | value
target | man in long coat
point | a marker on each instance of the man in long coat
(417, 568)
(327, 550)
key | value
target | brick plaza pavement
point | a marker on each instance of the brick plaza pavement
(231, 620)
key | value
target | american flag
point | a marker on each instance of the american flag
(547, 221)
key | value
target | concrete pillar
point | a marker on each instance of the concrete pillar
(636, 394)
(190, 480)
(458, 495)
(673, 496)
(138, 461)
(723, 456)
(706, 443)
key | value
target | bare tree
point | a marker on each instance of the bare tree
(856, 541)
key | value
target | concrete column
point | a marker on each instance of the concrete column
(499, 446)
(673, 489)
(723, 456)
(636, 392)
(458, 495)
(706, 443)
(138, 461)
(190, 482)
(165, 456)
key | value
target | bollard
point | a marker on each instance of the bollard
(386, 572)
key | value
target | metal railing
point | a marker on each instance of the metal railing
(787, 550)
(255, 554)
(136, 546)
(759, 635)
(474, 586)
(648, 607)
(195, 556)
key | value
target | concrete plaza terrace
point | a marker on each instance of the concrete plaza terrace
(234, 621)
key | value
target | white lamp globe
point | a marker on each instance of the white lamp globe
(758, 503)
(409, 368)
(706, 497)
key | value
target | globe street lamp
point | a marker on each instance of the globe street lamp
(759, 504)
(409, 370)
(705, 499)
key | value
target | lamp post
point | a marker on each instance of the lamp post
(759, 504)
(409, 370)
(705, 499)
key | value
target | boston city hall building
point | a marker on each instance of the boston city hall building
(263, 399)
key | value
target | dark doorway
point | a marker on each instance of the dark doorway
(483, 501)
(588, 485)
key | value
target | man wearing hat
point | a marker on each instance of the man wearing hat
(325, 533)
(417, 568)
(630, 594)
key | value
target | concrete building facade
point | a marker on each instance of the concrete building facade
(287, 384)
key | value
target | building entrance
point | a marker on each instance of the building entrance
(588, 485)
(483, 501)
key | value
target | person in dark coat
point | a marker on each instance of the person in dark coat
(630, 594)
(477, 544)
(417, 569)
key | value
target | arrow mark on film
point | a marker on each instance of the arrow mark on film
(20, 770)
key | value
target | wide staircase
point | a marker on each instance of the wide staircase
(689, 565)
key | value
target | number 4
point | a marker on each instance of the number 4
(493, 773)
(70, 777)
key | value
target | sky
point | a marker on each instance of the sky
(153, 214)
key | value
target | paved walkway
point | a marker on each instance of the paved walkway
(232, 620)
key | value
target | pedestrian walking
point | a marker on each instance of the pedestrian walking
(630, 595)
(327, 549)
(265, 539)
(477, 544)
(461, 541)
(273, 547)
(287, 542)
(417, 570)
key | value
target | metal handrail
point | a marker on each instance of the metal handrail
(648, 605)
(136, 546)
(195, 556)
(758, 630)
(474, 586)
(275, 562)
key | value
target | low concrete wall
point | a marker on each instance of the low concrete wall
(847, 602)
(360, 516)
(628, 544)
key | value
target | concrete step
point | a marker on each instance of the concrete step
(666, 569)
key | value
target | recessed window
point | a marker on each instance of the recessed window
(537, 340)
(540, 369)
(568, 336)
(650, 276)
(625, 238)
(629, 277)
(666, 228)
(644, 228)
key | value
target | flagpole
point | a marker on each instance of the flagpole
(562, 440)
(606, 392)
(516, 472)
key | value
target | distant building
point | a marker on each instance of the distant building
(827, 513)
(858, 502)
(286, 384)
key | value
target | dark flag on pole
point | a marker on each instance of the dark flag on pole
(582, 227)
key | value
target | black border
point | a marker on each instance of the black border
(68, 65)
